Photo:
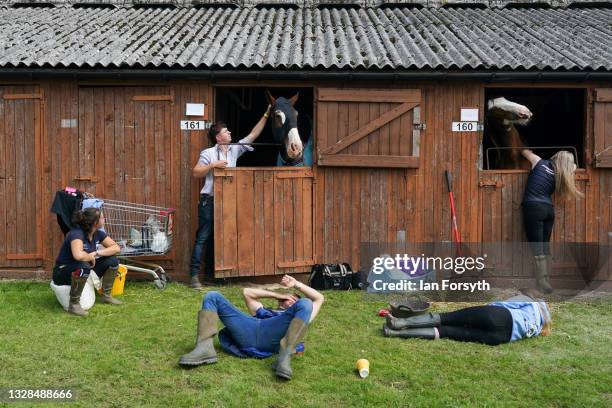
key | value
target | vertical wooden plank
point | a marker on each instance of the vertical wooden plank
(138, 154)
(298, 213)
(279, 226)
(3, 176)
(353, 121)
(245, 216)
(218, 226)
(270, 221)
(149, 151)
(342, 121)
(382, 140)
(259, 219)
(96, 149)
(105, 145)
(288, 223)
(506, 215)
(20, 176)
(133, 133)
(11, 207)
(31, 161)
(87, 155)
(362, 146)
(230, 228)
(330, 190)
(374, 137)
(119, 157)
(307, 206)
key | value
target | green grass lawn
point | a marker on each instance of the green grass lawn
(127, 356)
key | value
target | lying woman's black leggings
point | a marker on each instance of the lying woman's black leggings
(480, 324)
(62, 273)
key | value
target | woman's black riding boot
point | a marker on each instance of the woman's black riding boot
(296, 331)
(414, 322)
(76, 288)
(420, 333)
(107, 287)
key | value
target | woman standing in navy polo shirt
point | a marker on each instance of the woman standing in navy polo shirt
(79, 255)
(545, 178)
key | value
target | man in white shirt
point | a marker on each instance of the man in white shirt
(220, 156)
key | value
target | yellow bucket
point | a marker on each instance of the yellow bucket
(119, 280)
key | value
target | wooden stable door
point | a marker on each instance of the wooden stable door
(388, 138)
(124, 144)
(263, 221)
(20, 172)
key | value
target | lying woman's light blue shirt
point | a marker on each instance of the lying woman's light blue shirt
(527, 319)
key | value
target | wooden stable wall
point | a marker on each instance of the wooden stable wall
(122, 140)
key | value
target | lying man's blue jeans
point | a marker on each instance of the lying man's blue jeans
(248, 331)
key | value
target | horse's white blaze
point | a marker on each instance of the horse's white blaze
(509, 106)
(294, 143)
(282, 116)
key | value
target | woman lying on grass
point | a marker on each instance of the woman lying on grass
(260, 335)
(519, 317)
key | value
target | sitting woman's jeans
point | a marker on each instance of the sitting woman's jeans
(248, 331)
(62, 273)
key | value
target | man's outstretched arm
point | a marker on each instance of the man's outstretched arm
(310, 293)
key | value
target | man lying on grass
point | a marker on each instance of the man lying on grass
(264, 333)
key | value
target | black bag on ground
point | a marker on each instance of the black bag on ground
(334, 276)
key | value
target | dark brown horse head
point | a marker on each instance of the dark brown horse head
(285, 127)
(502, 117)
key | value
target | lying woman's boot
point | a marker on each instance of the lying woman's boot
(76, 288)
(414, 322)
(107, 287)
(296, 331)
(204, 351)
(421, 333)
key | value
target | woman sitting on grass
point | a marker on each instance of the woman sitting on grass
(260, 335)
(519, 317)
(79, 255)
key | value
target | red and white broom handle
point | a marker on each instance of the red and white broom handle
(452, 205)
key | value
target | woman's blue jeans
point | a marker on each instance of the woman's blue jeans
(248, 331)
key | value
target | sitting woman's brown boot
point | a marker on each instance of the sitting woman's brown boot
(76, 288)
(107, 287)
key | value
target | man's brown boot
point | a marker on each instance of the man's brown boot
(76, 288)
(204, 351)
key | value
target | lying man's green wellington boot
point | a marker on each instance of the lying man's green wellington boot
(76, 288)
(296, 331)
(204, 351)
(107, 287)
(420, 333)
(414, 322)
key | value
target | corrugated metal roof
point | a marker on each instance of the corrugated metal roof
(308, 38)
(308, 3)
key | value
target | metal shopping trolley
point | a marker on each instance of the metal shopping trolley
(141, 231)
